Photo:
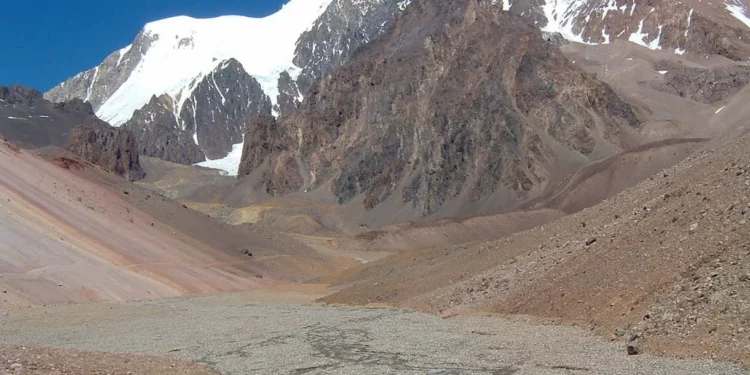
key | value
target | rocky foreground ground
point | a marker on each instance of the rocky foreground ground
(237, 334)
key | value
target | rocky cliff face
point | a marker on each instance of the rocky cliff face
(114, 149)
(346, 26)
(459, 101)
(98, 84)
(702, 85)
(209, 121)
(264, 137)
(712, 28)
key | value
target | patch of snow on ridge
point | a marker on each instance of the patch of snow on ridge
(639, 37)
(561, 16)
(187, 48)
(739, 12)
(123, 52)
(689, 21)
(91, 85)
(230, 164)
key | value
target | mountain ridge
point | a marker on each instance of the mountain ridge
(156, 65)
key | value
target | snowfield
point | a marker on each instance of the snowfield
(229, 164)
(187, 49)
(739, 11)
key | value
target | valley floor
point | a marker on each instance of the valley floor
(282, 333)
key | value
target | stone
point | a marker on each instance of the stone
(633, 348)
(590, 241)
(16, 367)
(113, 149)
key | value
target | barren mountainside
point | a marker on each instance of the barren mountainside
(664, 262)
(458, 102)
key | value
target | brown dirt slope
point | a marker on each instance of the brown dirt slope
(71, 232)
(17, 359)
(581, 189)
(667, 260)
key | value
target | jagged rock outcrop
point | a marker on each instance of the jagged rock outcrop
(289, 97)
(339, 32)
(158, 135)
(113, 149)
(459, 101)
(263, 138)
(218, 127)
(207, 123)
(702, 85)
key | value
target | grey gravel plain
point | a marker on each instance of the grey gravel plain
(235, 335)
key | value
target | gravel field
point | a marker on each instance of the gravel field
(235, 334)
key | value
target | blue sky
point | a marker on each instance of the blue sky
(43, 42)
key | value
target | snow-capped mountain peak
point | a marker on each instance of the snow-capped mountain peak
(186, 87)
(183, 49)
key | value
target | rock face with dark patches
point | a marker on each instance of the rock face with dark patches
(343, 28)
(459, 101)
(264, 137)
(207, 123)
(219, 126)
(113, 149)
(289, 95)
(702, 85)
(157, 133)
(668, 25)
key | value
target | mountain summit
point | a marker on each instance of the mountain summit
(187, 86)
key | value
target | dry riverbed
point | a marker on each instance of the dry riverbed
(240, 334)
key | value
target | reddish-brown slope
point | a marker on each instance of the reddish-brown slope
(70, 232)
